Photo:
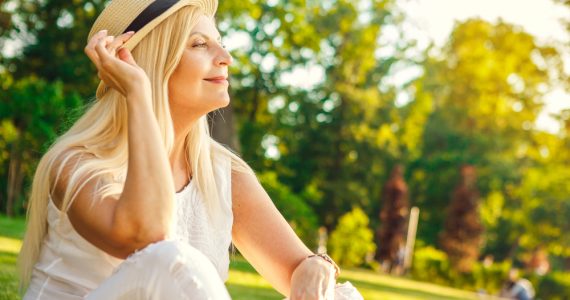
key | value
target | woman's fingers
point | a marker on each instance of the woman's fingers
(100, 41)
(106, 49)
(119, 41)
(115, 64)
(90, 48)
(126, 56)
(105, 59)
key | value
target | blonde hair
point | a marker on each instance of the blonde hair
(98, 140)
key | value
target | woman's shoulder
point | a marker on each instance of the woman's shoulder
(64, 166)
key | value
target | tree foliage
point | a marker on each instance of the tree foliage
(486, 89)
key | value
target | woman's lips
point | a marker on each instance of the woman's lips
(218, 80)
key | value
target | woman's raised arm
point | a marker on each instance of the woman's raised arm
(142, 213)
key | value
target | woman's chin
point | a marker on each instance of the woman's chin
(224, 101)
(219, 104)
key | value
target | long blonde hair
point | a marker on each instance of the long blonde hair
(99, 140)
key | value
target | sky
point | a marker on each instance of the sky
(434, 20)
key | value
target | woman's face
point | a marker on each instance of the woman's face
(199, 84)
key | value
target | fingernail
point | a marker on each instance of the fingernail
(130, 32)
(103, 31)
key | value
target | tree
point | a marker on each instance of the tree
(393, 218)
(486, 89)
(461, 238)
(324, 136)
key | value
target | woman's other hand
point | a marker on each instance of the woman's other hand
(314, 278)
(118, 70)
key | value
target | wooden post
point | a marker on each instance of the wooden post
(412, 229)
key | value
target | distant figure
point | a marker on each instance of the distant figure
(393, 217)
(322, 242)
(538, 262)
(488, 261)
(517, 288)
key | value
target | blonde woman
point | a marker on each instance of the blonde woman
(136, 201)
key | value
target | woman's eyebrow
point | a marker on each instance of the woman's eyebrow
(219, 39)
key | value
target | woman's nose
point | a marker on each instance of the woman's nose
(224, 58)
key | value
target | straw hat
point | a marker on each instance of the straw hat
(140, 16)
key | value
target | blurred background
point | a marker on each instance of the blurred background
(352, 113)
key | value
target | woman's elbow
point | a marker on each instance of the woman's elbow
(130, 240)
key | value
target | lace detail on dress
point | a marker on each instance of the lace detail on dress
(193, 224)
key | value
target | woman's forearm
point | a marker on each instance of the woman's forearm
(146, 204)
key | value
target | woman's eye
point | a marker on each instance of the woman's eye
(200, 45)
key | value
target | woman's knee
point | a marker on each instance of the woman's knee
(167, 268)
(164, 254)
(188, 268)
(161, 253)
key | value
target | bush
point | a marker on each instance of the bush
(489, 278)
(299, 215)
(554, 286)
(431, 265)
(352, 240)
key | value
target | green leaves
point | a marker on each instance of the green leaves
(352, 240)
(32, 113)
(487, 89)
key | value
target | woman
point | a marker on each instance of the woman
(136, 201)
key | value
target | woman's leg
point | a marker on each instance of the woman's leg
(163, 270)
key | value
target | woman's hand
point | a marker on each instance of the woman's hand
(119, 72)
(314, 278)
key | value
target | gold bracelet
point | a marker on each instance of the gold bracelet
(329, 260)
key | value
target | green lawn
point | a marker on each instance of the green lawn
(244, 282)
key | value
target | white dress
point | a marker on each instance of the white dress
(69, 267)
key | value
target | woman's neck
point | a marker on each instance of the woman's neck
(179, 161)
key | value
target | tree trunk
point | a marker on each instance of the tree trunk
(14, 177)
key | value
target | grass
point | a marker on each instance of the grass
(11, 234)
(244, 282)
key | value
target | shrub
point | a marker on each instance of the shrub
(352, 240)
(299, 215)
(431, 265)
(554, 286)
(489, 278)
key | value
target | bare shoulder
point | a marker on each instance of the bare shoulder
(245, 185)
(64, 166)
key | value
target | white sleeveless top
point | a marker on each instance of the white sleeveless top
(69, 266)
